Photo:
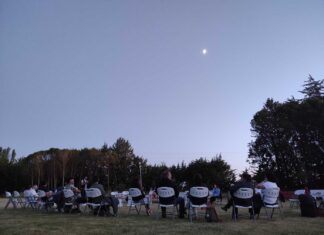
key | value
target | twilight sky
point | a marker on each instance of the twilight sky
(76, 74)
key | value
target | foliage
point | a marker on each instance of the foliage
(117, 166)
(289, 140)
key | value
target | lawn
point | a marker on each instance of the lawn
(26, 221)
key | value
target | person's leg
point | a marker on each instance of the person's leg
(147, 205)
(113, 202)
(163, 209)
(228, 205)
(180, 202)
(257, 204)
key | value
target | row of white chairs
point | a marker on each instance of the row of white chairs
(269, 199)
(16, 199)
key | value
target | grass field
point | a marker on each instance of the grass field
(26, 221)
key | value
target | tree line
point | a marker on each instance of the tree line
(117, 166)
(289, 139)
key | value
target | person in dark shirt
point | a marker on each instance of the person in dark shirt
(136, 183)
(198, 182)
(245, 182)
(111, 201)
(166, 181)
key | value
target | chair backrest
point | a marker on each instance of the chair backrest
(134, 192)
(199, 192)
(16, 194)
(26, 193)
(165, 192)
(299, 192)
(198, 195)
(114, 194)
(41, 193)
(244, 193)
(270, 195)
(93, 192)
(317, 193)
(68, 193)
(8, 195)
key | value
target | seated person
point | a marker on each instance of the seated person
(198, 182)
(110, 201)
(216, 194)
(245, 182)
(44, 187)
(31, 195)
(48, 198)
(77, 193)
(32, 192)
(70, 185)
(267, 183)
(166, 181)
(308, 206)
(143, 198)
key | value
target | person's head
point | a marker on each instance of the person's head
(136, 182)
(198, 179)
(35, 186)
(246, 177)
(96, 179)
(166, 174)
(269, 177)
(71, 181)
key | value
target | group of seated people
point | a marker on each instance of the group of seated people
(50, 197)
(246, 182)
(165, 181)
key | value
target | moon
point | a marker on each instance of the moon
(204, 51)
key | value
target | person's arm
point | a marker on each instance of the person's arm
(176, 191)
(260, 186)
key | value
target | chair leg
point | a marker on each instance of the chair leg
(265, 208)
(272, 213)
(129, 208)
(158, 211)
(137, 210)
(98, 210)
(234, 213)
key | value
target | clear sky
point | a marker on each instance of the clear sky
(76, 74)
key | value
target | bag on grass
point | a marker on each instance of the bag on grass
(211, 215)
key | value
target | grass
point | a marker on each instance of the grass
(26, 221)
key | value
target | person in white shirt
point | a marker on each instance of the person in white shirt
(32, 191)
(267, 183)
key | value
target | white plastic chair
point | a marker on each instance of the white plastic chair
(166, 193)
(95, 197)
(69, 199)
(137, 205)
(198, 193)
(41, 194)
(270, 200)
(11, 200)
(19, 199)
(30, 200)
(246, 194)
